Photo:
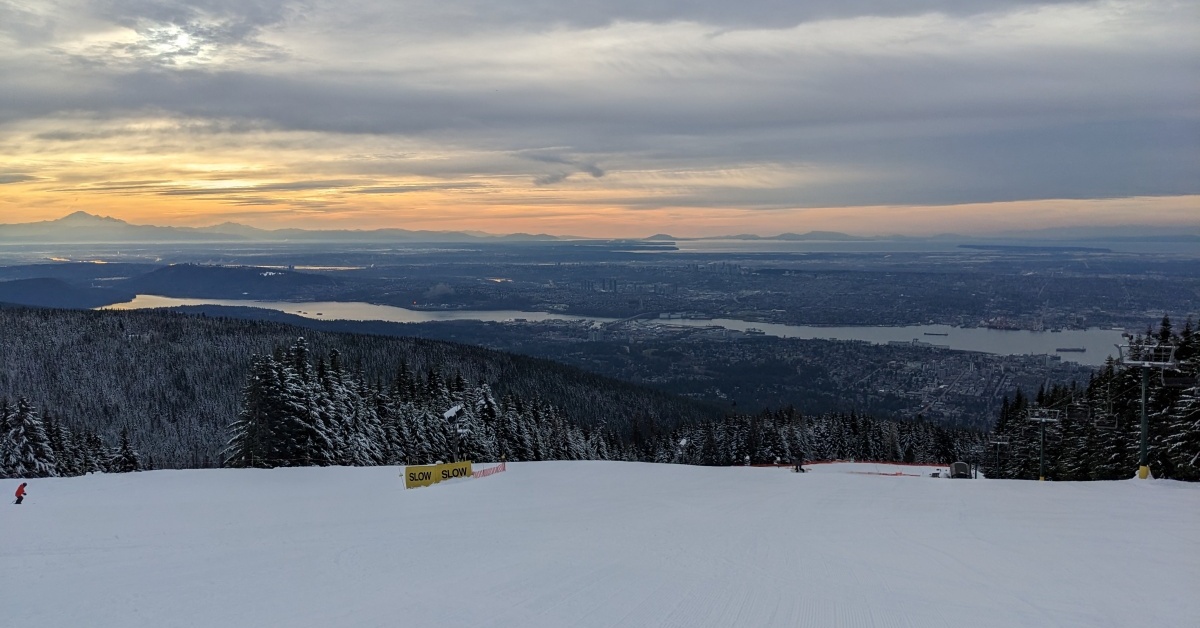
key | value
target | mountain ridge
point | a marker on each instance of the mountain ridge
(81, 227)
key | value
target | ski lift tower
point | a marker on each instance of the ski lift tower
(1042, 416)
(998, 442)
(1146, 357)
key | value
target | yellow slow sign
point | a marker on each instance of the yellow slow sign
(426, 475)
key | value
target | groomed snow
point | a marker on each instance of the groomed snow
(598, 544)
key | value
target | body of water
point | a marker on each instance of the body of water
(1098, 344)
(355, 310)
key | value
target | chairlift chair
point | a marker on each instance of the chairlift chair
(1106, 419)
(1043, 415)
(1082, 413)
(1160, 356)
(1079, 412)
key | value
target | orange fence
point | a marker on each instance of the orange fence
(483, 473)
(896, 474)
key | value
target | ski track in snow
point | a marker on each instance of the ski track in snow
(599, 545)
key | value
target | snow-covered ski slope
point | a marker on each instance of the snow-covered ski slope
(598, 544)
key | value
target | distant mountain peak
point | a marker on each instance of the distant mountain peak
(82, 216)
(824, 236)
(817, 235)
(79, 216)
(81, 226)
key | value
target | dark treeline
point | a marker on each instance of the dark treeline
(785, 436)
(31, 447)
(174, 382)
(1098, 432)
(301, 410)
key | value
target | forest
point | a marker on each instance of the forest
(297, 411)
(1093, 432)
(174, 382)
(194, 391)
(36, 446)
(178, 391)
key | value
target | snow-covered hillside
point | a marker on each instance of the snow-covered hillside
(598, 544)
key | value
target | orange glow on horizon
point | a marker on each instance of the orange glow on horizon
(502, 212)
(144, 174)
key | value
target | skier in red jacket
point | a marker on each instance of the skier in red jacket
(20, 493)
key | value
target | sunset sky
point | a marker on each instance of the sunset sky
(614, 118)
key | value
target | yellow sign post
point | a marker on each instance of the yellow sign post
(430, 474)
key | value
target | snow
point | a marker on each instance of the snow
(599, 544)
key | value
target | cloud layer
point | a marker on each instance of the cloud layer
(630, 114)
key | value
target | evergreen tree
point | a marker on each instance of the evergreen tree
(475, 440)
(439, 436)
(7, 447)
(250, 433)
(365, 434)
(329, 404)
(709, 448)
(297, 436)
(1182, 445)
(27, 452)
(98, 453)
(518, 440)
(68, 462)
(126, 460)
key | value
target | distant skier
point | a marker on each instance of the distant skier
(798, 464)
(20, 493)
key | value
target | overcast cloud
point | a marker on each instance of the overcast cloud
(631, 105)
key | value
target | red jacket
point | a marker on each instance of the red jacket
(20, 490)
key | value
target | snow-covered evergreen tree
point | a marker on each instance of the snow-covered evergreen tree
(6, 445)
(476, 440)
(518, 442)
(328, 398)
(26, 452)
(98, 452)
(1182, 445)
(250, 433)
(127, 459)
(298, 437)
